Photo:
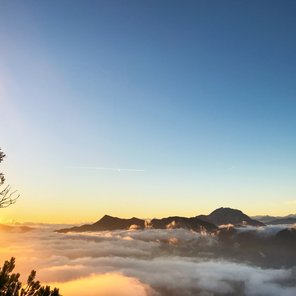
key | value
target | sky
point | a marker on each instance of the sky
(193, 101)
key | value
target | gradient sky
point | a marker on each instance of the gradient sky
(200, 95)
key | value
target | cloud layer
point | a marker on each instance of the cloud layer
(167, 262)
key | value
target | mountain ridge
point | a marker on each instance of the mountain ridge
(114, 223)
(199, 223)
(275, 220)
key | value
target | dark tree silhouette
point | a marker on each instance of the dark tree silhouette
(7, 196)
(11, 286)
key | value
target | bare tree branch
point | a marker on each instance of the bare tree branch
(7, 196)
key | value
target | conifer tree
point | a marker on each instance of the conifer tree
(11, 286)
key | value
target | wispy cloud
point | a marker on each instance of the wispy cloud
(106, 169)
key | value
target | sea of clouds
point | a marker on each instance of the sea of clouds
(149, 262)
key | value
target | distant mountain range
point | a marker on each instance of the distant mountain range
(114, 223)
(276, 220)
(199, 223)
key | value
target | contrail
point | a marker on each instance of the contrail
(105, 169)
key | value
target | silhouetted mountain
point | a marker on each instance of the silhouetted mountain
(108, 223)
(114, 223)
(203, 222)
(265, 219)
(274, 220)
(282, 221)
(274, 249)
(193, 223)
(288, 236)
(229, 216)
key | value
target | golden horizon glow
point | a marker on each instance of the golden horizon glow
(102, 285)
(87, 215)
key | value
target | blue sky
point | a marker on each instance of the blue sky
(198, 94)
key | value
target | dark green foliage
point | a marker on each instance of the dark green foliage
(2, 179)
(11, 286)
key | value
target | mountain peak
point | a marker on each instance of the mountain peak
(230, 216)
(107, 217)
(226, 210)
